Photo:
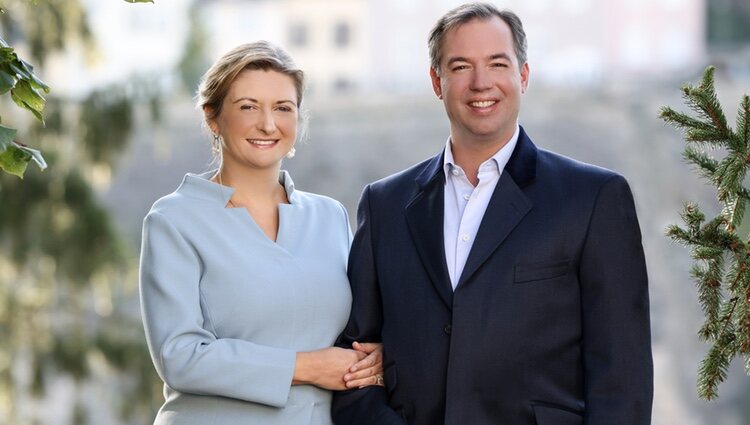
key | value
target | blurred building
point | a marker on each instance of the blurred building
(380, 46)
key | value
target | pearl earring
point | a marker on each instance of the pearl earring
(291, 153)
(216, 145)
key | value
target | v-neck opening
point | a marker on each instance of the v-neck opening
(279, 229)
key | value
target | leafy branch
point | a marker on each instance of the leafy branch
(18, 78)
(722, 256)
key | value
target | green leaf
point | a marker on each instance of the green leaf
(7, 81)
(7, 54)
(6, 137)
(35, 155)
(14, 160)
(29, 98)
(33, 79)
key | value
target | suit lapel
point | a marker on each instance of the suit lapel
(424, 216)
(506, 208)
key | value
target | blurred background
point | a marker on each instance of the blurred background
(121, 130)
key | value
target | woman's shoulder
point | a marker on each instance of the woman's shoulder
(194, 192)
(310, 198)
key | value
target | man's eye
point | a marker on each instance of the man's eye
(285, 109)
(499, 65)
(460, 67)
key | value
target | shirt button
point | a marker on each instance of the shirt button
(465, 238)
(467, 197)
(455, 172)
(447, 329)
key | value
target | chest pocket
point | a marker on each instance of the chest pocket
(540, 271)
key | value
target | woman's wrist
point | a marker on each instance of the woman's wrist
(304, 369)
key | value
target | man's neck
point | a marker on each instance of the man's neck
(470, 154)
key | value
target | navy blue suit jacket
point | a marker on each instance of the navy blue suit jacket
(549, 323)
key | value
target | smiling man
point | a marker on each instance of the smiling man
(507, 283)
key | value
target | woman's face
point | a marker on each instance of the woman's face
(258, 119)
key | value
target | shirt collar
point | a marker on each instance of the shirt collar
(201, 186)
(499, 159)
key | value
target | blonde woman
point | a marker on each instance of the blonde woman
(243, 277)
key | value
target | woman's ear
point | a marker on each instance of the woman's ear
(210, 122)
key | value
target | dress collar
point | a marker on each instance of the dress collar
(201, 186)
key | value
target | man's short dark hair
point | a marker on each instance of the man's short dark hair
(467, 12)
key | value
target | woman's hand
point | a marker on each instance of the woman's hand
(368, 371)
(325, 368)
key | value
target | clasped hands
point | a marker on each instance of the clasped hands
(337, 368)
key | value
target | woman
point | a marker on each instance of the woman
(243, 278)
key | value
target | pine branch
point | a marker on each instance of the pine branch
(743, 323)
(682, 121)
(743, 124)
(703, 100)
(722, 257)
(705, 163)
(714, 367)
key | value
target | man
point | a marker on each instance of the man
(507, 283)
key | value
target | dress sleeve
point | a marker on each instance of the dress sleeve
(188, 357)
(348, 225)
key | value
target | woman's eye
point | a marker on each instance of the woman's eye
(285, 109)
(247, 107)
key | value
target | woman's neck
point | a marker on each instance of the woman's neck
(252, 185)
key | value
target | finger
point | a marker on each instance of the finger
(359, 346)
(368, 347)
(364, 363)
(365, 382)
(362, 374)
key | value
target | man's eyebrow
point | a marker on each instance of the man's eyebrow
(491, 57)
(457, 59)
(500, 56)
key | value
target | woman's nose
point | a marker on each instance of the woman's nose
(268, 124)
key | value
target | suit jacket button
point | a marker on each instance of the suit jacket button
(447, 329)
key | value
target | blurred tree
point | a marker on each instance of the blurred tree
(728, 22)
(66, 285)
(194, 61)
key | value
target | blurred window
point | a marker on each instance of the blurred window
(298, 35)
(342, 35)
(342, 85)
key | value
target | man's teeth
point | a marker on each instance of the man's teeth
(262, 142)
(483, 104)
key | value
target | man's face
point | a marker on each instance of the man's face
(480, 81)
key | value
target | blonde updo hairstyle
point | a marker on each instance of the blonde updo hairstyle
(261, 55)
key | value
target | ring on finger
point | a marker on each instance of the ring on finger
(379, 379)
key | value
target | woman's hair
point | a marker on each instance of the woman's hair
(261, 55)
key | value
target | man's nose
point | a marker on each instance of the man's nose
(480, 79)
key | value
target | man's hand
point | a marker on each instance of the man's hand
(368, 371)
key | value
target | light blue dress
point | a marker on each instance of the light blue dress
(226, 309)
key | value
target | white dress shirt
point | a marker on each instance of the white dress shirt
(464, 204)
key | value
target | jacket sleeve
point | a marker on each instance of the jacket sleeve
(618, 367)
(188, 357)
(367, 405)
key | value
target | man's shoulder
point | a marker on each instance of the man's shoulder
(559, 166)
(406, 177)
